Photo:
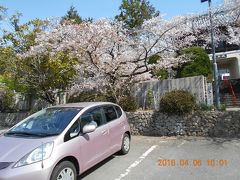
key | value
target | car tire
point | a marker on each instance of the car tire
(125, 144)
(64, 170)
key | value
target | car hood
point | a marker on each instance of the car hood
(12, 149)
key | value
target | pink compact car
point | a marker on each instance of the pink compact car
(61, 142)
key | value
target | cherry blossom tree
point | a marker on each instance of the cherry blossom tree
(234, 28)
(111, 59)
(185, 31)
(234, 33)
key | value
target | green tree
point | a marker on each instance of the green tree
(42, 76)
(16, 42)
(45, 75)
(135, 12)
(7, 70)
(23, 35)
(161, 73)
(73, 16)
(199, 65)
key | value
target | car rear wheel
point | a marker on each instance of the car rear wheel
(125, 144)
(64, 171)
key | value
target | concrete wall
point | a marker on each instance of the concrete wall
(195, 85)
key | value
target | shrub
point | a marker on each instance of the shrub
(223, 107)
(205, 107)
(149, 100)
(128, 103)
(177, 102)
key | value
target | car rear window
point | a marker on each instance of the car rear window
(110, 113)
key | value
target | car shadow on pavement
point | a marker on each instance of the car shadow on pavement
(220, 141)
(217, 141)
(94, 168)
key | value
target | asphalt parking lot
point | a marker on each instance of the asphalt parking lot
(187, 158)
(172, 158)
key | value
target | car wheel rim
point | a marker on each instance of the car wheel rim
(66, 174)
(126, 143)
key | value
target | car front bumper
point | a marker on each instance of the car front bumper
(29, 172)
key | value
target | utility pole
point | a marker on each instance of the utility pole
(215, 69)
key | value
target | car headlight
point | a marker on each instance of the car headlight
(40, 153)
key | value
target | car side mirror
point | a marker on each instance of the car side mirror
(88, 128)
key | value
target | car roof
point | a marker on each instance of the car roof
(83, 104)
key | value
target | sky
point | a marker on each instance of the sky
(96, 9)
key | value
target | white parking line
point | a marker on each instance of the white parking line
(137, 162)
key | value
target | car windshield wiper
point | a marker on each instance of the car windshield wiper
(20, 133)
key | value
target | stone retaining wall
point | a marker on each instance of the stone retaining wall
(211, 124)
(10, 119)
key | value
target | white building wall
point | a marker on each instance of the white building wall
(231, 60)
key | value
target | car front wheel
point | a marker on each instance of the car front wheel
(64, 171)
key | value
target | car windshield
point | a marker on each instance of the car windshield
(47, 122)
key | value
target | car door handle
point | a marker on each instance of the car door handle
(104, 132)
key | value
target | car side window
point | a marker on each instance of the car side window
(86, 118)
(110, 113)
(92, 115)
(73, 131)
(119, 111)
